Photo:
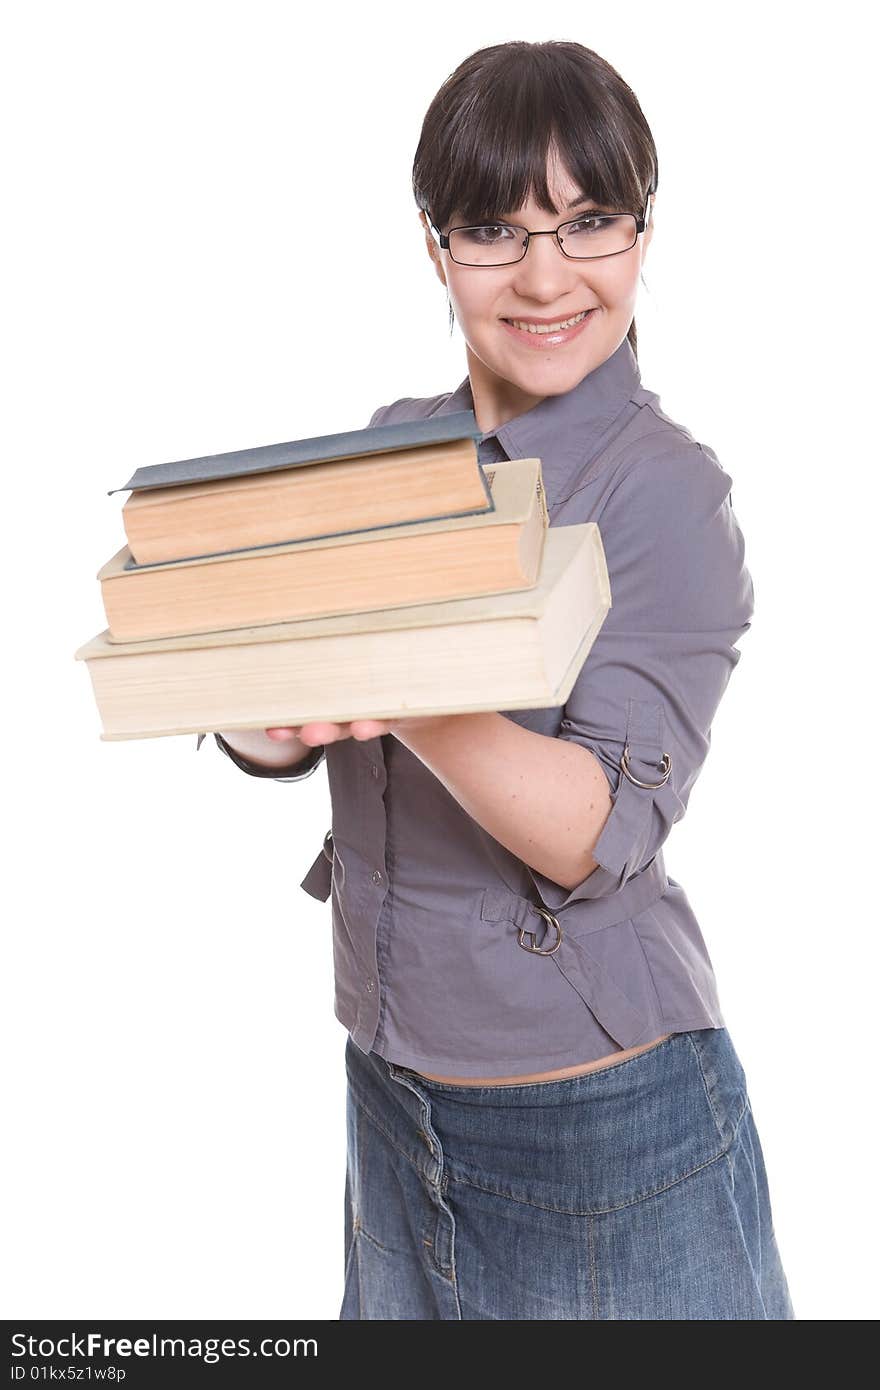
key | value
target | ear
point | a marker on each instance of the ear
(649, 229)
(433, 249)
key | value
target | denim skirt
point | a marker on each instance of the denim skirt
(637, 1191)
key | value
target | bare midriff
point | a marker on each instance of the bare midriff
(579, 1069)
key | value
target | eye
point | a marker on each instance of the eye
(489, 233)
(590, 224)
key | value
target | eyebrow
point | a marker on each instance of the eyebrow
(585, 198)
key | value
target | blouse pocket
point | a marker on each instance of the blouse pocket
(592, 962)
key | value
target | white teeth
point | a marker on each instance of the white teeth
(548, 327)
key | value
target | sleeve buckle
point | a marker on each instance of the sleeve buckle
(666, 764)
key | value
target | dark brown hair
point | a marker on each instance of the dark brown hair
(488, 132)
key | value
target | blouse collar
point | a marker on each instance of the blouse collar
(563, 431)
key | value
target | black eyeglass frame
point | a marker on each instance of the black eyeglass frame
(641, 221)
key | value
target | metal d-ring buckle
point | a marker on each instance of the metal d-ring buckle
(666, 765)
(538, 950)
(327, 846)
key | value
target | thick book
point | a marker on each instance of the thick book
(395, 566)
(520, 650)
(327, 485)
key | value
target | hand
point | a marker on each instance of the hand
(324, 732)
(321, 732)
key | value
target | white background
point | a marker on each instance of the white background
(173, 1071)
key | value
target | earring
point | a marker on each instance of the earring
(451, 311)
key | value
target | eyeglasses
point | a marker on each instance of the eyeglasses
(585, 238)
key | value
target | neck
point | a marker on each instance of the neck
(495, 400)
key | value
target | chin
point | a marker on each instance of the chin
(554, 378)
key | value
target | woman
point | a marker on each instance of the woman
(546, 1114)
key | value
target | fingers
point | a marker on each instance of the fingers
(363, 729)
(319, 731)
(360, 729)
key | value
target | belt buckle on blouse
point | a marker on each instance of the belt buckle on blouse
(539, 950)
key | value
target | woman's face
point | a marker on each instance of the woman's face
(511, 371)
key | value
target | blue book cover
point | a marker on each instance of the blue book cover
(321, 448)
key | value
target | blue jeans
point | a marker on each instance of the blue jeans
(637, 1191)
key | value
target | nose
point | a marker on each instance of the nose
(544, 273)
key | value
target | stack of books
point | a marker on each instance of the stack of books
(374, 574)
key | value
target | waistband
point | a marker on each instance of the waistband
(583, 915)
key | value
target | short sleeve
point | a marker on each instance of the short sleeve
(681, 598)
(304, 768)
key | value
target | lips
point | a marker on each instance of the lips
(560, 318)
(549, 339)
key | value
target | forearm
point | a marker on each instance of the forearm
(259, 748)
(545, 799)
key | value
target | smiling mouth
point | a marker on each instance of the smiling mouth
(539, 329)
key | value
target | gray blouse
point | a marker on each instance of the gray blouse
(451, 955)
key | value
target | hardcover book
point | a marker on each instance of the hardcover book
(328, 485)
(388, 567)
(517, 650)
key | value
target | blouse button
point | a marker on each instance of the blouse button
(376, 876)
(371, 985)
(374, 770)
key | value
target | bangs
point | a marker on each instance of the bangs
(495, 124)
